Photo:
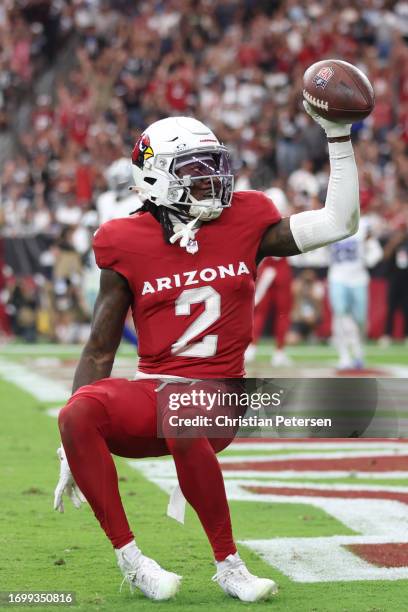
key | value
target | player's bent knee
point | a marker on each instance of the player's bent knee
(64, 418)
(79, 414)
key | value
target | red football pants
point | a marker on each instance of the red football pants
(120, 417)
(278, 297)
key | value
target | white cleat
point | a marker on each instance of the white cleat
(344, 363)
(281, 360)
(250, 353)
(145, 574)
(384, 341)
(235, 580)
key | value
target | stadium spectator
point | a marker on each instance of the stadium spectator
(30, 32)
(308, 294)
(22, 308)
(304, 186)
(396, 256)
(71, 313)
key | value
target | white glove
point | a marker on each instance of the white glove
(332, 129)
(66, 484)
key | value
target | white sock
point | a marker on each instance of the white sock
(221, 565)
(130, 551)
(340, 337)
(250, 353)
(354, 338)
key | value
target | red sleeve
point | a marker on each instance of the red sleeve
(107, 254)
(262, 213)
(254, 213)
(103, 249)
(265, 213)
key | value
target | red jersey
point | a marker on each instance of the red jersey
(279, 271)
(193, 312)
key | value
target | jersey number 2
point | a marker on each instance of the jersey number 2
(206, 347)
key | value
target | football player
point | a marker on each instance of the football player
(186, 266)
(273, 291)
(348, 282)
(118, 201)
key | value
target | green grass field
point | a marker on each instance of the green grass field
(41, 550)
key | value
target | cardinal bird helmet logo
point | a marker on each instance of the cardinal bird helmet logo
(142, 151)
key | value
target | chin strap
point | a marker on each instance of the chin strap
(186, 234)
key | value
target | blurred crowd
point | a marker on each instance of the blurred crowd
(31, 31)
(237, 65)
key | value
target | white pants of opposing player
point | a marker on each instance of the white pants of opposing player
(349, 308)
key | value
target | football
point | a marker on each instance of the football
(338, 91)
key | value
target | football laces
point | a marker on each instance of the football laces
(315, 101)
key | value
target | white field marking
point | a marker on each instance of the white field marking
(396, 370)
(56, 349)
(326, 351)
(41, 387)
(305, 369)
(278, 484)
(122, 368)
(36, 349)
(152, 472)
(315, 474)
(159, 469)
(326, 444)
(49, 363)
(165, 477)
(335, 455)
(311, 560)
(124, 349)
(52, 381)
(325, 559)
(379, 521)
(53, 412)
(383, 517)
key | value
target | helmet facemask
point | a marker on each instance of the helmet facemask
(202, 183)
(197, 182)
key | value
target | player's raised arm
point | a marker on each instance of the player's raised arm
(336, 95)
(340, 216)
(112, 304)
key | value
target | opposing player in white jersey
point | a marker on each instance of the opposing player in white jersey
(348, 280)
(118, 201)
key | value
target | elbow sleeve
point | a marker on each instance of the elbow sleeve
(340, 216)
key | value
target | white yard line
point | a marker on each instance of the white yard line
(43, 388)
(159, 469)
(367, 452)
(322, 445)
(279, 484)
(314, 560)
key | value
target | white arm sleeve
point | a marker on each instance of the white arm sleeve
(340, 216)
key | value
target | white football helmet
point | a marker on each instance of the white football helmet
(180, 155)
(119, 176)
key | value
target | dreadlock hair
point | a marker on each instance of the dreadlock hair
(162, 215)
